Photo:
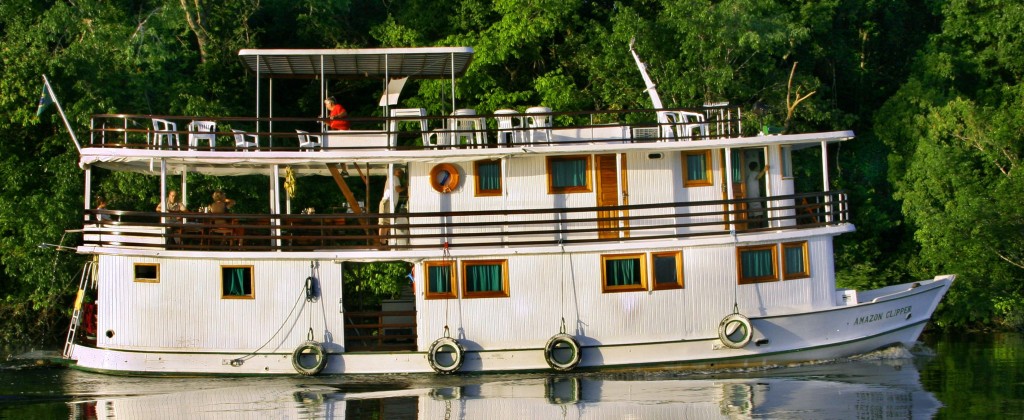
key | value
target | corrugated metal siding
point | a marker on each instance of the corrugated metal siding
(536, 304)
(185, 309)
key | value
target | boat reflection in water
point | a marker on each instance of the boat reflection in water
(854, 389)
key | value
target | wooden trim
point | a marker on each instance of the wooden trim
(252, 282)
(427, 294)
(476, 179)
(679, 283)
(466, 294)
(761, 279)
(142, 279)
(807, 261)
(642, 287)
(570, 190)
(708, 173)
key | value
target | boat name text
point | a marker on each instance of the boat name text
(880, 316)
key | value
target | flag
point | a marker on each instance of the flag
(44, 101)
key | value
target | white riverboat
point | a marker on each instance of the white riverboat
(535, 239)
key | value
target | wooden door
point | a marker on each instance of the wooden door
(608, 182)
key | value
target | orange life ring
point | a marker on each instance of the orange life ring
(444, 177)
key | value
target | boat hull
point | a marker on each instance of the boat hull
(894, 316)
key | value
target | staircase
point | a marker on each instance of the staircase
(86, 281)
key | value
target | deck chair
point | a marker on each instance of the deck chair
(309, 141)
(242, 143)
(202, 130)
(164, 130)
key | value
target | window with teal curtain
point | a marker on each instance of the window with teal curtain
(794, 256)
(440, 279)
(236, 281)
(757, 263)
(624, 272)
(488, 176)
(566, 173)
(484, 278)
(696, 167)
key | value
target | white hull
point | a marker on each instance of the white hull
(896, 317)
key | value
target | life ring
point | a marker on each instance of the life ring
(735, 331)
(314, 348)
(563, 343)
(444, 177)
(445, 355)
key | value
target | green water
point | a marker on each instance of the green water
(948, 376)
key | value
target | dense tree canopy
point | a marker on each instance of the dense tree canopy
(932, 89)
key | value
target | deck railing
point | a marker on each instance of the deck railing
(380, 330)
(412, 132)
(483, 228)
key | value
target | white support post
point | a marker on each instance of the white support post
(275, 202)
(825, 180)
(88, 188)
(728, 190)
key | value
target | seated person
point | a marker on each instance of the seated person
(221, 202)
(101, 204)
(336, 114)
(173, 205)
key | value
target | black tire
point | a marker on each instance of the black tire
(310, 347)
(562, 342)
(436, 355)
(735, 331)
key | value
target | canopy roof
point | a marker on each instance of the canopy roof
(432, 62)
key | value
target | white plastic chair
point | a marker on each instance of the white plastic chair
(165, 130)
(538, 122)
(242, 143)
(509, 126)
(309, 141)
(407, 112)
(202, 130)
(465, 125)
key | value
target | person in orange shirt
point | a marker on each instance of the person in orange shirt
(337, 114)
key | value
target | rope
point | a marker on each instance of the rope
(238, 362)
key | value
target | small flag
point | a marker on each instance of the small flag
(44, 101)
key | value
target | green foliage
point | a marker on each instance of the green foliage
(367, 284)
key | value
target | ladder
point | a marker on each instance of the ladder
(85, 281)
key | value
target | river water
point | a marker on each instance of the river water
(946, 376)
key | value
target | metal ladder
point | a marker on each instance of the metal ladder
(85, 282)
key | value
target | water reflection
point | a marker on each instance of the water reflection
(883, 388)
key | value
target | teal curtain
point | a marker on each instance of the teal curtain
(569, 173)
(237, 284)
(483, 278)
(737, 169)
(624, 272)
(439, 277)
(696, 167)
(757, 263)
(795, 260)
(489, 176)
(665, 270)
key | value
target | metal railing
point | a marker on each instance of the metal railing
(141, 132)
(481, 228)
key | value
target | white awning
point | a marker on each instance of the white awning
(431, 63)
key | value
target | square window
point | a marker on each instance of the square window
(697, 169)
(795, 261)
(236, 282)
(568, 174)
(757, 264)
(667, 269)
(484, 279)
(147, 273)
(440, 279)
(623, 273)
(488, 177)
